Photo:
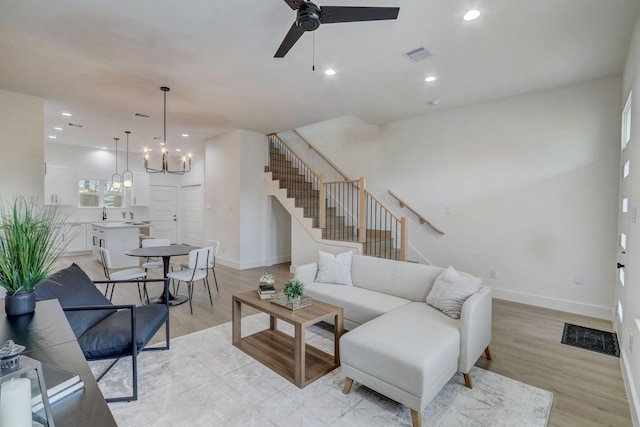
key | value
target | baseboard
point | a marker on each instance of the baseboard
(600, 312)
(632, 396)
(240, 265)
(279, 260)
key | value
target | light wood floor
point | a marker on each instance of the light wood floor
(588, 387)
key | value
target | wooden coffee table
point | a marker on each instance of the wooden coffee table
(289, 356)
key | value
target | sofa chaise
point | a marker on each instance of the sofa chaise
(404, 339)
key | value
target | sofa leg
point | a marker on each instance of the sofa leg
(487, 353)
(416, 418)
(347, 385)
(467, 380)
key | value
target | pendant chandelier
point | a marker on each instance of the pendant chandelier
(116, 178)
(164, 168)
(127, 175)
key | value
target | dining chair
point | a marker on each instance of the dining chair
(196, 270)
(212, 262)
(130, 274)
(155, 263)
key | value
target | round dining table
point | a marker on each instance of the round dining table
(164, 252)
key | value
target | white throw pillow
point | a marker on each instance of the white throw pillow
(450, 291)
(334, 268)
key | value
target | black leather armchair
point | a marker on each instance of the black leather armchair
(104, 330)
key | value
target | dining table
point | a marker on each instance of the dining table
(164, 252)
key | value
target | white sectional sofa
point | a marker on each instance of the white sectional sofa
(398, 344)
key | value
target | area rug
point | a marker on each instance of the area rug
(205, 381)
(591, 339)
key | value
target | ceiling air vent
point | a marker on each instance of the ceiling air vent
(417, 54)
(141, 115)
(75, 125)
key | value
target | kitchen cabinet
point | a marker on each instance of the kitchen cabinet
(79, 234)
(117, 237)
(140, 190)
(60, 186)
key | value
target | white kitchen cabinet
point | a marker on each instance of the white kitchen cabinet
(140, 190)
(60, 186)
(117, 238)
(79, 234)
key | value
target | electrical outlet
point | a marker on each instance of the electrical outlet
(492, 274)
(578, 279)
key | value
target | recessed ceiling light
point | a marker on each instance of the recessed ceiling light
(431, 79)
(57, 128)
(434, 102)
(103, 148)
(148, 149)
(66, 114)
(471, 15)
(52, 137)
(185, 135)
(178, 149)
(329, 72)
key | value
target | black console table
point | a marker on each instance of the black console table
(47, 336)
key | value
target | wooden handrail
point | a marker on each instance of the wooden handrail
(322, 155)
(317, 175)
(349, 181)
(422, 219)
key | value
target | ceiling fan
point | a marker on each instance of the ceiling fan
(309, 17)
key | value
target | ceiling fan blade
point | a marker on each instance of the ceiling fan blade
(333, 14)
(294, 4)
(289, 40)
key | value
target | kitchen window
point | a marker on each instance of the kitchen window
(98, 193)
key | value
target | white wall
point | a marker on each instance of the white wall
(234, 197)
(530, 184)
(279, 237)
(21, 141)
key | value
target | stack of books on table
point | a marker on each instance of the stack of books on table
(266, 291)
(59, 383)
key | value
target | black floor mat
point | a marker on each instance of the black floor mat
(591, 339)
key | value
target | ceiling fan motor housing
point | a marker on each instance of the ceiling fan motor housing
(308, 17)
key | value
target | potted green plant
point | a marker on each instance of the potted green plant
(294, 289)
(31, 241)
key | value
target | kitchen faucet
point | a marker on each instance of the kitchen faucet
(104, 213)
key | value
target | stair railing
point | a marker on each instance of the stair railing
(356, 214)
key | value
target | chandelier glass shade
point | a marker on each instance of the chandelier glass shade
(185, 162)
(127, 175)
(116, 178)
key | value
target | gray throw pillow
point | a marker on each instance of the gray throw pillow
(450, 291)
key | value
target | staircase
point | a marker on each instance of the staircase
(343, 210)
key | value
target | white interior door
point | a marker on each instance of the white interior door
(163, 212)
(191, 207)
(626, 214)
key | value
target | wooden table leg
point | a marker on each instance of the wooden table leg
(299, 356)
(272, 323)
(236, 321)
(338, 330)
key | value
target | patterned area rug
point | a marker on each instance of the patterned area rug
(205, 381)
(591, 339)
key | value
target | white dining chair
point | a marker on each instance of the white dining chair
(196, 270)
(130, 274)
(212, 262)
(155, 263)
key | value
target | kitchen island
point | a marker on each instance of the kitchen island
(117, 237)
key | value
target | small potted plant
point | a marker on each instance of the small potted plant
(31, 241)
(294, 289)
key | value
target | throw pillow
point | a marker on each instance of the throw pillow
(450, 291)
(334, 268)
